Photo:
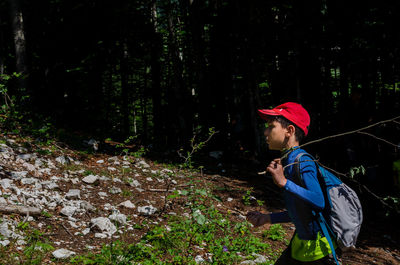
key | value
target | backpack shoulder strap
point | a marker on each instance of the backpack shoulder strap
(320, 218)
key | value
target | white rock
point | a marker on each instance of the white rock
(104, 225)
(111, 168)
(63, 253)
(149, 179)
(199, 259)
(86, 231)
(18, 174)
(73, 194)
(134, 183)
(29, 167)
(5, 242)
(260, 258)
(87, 206)
(100, 161)
(74, 180)
(68, 210)
(113, 159)
(93, 143)
(28, 181)
(118, 217)
(73, 224)
(127, 204)
(102, 194)
(115, 190)
(166, 170)
(5, 231)
(49, 185)
(142, 164)
(147, 210)
(229, 199)
(6, 183)
(25, 157)
(90, 179)
(100, 235)
(63, 160)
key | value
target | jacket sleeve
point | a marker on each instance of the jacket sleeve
(312, 192)
(280, 217)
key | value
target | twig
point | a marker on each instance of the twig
(66, 229)
(351, 132)
(378, 138)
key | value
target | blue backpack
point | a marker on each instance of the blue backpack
(342, 216)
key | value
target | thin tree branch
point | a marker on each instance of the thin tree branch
(351, 132)
(378, 138)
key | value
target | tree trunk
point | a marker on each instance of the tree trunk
(156, 77)
(19, 41)
(124, 89)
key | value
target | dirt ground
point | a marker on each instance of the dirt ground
(378, 243)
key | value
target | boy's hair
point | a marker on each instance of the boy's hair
(299, 134)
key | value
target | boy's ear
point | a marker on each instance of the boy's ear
(291, 129)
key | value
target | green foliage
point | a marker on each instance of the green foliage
(203, 230)
(195, 147)
(35, 251)
(275, 232)
(357, 170)
(246, 198)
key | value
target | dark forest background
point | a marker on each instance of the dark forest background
(162, 71)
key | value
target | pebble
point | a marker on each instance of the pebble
(63, 253)
(90, 179)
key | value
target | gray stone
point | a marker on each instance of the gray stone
(49, 185)
(63, 253)
(25, 157)
(142, 164)
(104, 225)
(134, 183)
(29, 167)
(86, 231)
(90, 179)
(87, 206)
(115, 190)
(5, 229)
(68, 210)
(6, 183)
(118, 217)
(199, 259)
(127, 204)
(63, 160)
(147, 210)
(100, 235)
(73, 194)
(18, 174)
(5, 242)
(28, 181)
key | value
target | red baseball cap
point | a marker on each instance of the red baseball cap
(294, 112)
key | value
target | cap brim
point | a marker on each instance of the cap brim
(265, 113)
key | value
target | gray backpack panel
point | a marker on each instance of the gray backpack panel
(346, 215)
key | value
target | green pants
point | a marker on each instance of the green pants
(286, 259)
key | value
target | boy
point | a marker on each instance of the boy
(287, 125)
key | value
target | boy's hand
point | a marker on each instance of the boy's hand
(276, 170)
(257, 218)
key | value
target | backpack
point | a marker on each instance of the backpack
(342, 216)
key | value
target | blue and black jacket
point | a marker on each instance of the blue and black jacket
(301, 198)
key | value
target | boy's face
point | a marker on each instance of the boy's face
(275, 135)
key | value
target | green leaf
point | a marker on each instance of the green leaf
(200, 219)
